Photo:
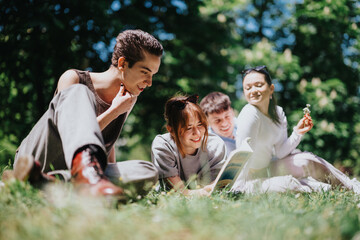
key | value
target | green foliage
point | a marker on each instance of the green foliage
(327, 100)
(7, 150)
(206, 44)
(59, 213)
(40, 40)
(43, 40)
(325, 52)
(327, 34)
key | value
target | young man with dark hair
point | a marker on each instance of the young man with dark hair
(85, 118)
(221, 117)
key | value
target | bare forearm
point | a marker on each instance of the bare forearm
(112, 113)
(106, 118)
(177, 184)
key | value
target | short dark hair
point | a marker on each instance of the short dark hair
(215, 102)
(131, 44)
(177, 118)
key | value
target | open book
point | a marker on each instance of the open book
(233, 166)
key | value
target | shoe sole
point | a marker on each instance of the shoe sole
(7, 175)
(23, 166)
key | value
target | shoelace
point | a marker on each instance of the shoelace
(93, 171)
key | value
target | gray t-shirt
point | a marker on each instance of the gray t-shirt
(204, 164)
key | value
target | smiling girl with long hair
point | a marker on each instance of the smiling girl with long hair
(276, 164)
(188, 158)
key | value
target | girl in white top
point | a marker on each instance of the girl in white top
(187, 156)
(276, 164)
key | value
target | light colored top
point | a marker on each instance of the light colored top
(268, 139)
(229, 142)
(205, 164)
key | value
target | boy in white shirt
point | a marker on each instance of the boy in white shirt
(221, 117)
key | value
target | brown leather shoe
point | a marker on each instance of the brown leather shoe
(87, 174)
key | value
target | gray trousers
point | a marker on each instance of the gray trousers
(69, 124)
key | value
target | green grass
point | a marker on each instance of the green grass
(59, 213)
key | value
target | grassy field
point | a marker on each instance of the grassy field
(57, 212)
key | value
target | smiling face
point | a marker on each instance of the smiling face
(139, 76)
(192, 135)
(257, 91)
(222, 123)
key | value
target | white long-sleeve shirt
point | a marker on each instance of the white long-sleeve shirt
(268, 139)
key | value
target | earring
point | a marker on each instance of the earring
(270, 97)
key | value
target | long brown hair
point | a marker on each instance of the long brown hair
(178, 110)
(272, 104)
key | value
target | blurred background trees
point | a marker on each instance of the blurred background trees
(312, 49)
